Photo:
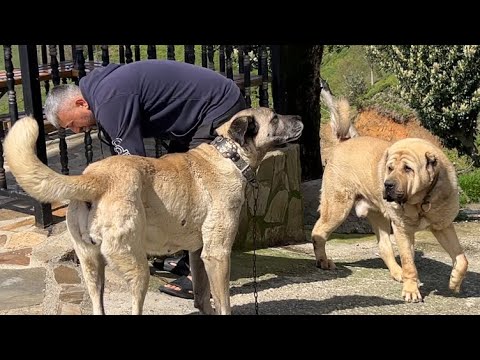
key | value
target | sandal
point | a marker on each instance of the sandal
(176, 265)
(185, 285)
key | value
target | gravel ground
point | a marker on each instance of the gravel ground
(289, 283)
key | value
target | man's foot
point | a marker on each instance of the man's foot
(177, 265)
(181, 287)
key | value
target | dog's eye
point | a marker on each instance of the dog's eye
(275, 120)
(407, 169)
(390, 168)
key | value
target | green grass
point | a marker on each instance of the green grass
(337, 66)
(381, 85)
(462, 163)
(114, 54)
(161, 53)
(470, 185)
(468, 177)
(349, 61)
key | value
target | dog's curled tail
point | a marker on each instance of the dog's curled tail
(37, 179)
(339, 109)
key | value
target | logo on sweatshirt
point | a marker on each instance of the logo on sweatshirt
(118, 148)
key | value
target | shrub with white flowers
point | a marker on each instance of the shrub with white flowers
(442, 83)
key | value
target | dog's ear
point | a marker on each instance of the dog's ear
(431, 163)
(382, 165)
(241, 127)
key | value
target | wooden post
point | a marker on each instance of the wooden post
(296, 91)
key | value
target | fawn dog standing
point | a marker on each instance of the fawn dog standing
(409, 185)
(125, 207)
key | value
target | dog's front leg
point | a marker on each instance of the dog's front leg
(218, 238)
(405, 241)
(381, 227)
(201, 285)
(217, 264)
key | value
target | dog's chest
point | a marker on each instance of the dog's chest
(423, 223)
(410, 215)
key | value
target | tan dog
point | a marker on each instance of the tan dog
(409, 185)
(125, 207)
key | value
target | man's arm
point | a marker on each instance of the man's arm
(121, 118)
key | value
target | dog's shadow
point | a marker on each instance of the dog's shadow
(314, 307)
(434, 275)
(286, 270)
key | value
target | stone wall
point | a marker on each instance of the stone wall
(279, 215)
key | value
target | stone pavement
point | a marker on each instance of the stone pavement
(39, 275)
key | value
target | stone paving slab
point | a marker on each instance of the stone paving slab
(24, 239)
(16, 257)
(66, 275)
(21, 287)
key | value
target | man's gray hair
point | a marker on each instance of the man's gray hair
(56, 99)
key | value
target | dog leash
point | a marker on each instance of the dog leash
(254, 241)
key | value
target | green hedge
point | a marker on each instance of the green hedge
(470, 187)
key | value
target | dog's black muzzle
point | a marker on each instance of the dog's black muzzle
(389, 193)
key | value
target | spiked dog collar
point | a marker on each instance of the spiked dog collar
(426, 204)
(228, 149)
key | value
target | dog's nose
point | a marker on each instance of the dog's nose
(389, 185)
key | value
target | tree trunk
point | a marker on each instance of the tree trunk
(296, 91)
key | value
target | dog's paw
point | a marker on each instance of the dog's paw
(455, 281)
(458, 273)
(454, 288)
(325, 264)
(397, 274)
(410, 291)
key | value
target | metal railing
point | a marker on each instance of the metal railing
(233, 61)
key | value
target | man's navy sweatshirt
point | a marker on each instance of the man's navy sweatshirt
(154, 98)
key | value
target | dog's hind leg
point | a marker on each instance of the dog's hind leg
(448, 239)
(92, 262)
(381, 227)
(130, 259)
(93, 271)
(123, 247)
(201, 286)
(334, 209)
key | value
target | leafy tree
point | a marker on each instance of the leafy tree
(356, 87)
(442, 83)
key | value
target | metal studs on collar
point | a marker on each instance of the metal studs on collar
(229, 150)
